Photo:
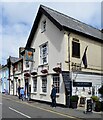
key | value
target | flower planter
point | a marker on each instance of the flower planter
(57, 69)
(74, 101)
(98, 106)
(44, 71)
(74, 105)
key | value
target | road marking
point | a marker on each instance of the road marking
(0, 103)
(19, 112)
(52, 111)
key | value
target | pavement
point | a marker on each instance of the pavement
(77, 113)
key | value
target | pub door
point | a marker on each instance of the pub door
(26, 88)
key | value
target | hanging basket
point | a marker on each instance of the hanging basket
(27, 75)
(44, 71)
(33, 73)
(57, 69)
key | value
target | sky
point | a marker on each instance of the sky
(17, 17)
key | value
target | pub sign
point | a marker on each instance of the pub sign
(29, 54)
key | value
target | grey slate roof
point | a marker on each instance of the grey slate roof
(72, 23)
(64, 22)
(14, 59)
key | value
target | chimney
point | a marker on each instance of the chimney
(20, 50)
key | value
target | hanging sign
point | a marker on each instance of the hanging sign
(29, 54)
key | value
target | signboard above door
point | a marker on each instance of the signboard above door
(82, 84)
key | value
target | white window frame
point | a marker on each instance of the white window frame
(56, 82)
(44, 54)
(44, 84)
(43, 26)
(35, 84)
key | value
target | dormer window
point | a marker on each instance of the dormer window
(43, 26)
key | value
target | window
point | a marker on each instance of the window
(75, 49)
(44, 53)
(43, 26)
(93, 90)
(11, 84)
(56, 82)
(27, 64)
(35, 84)
(44, 84)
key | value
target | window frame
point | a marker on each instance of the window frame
(43, 26)
(44, 85)
(76, 48)
(35, 85)
(56, 82)
(44, 53)
(27, 64)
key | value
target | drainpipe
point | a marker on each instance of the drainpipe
(68, 51)
(69, 62)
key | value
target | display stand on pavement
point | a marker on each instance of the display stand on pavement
(88, 105)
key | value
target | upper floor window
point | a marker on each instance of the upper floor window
(43, 26)
(56, 82)
(27, 64)
(44, 53)
(75, 49)
(44, 84)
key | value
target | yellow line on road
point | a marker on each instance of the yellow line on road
(48, 110)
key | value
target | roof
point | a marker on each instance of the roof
(14, 59)
(18, 60)
(64, 22)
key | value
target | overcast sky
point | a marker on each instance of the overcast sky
(16, 20)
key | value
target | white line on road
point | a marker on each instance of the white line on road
(19, 112)
(0, 103)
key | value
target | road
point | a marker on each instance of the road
(20, 109)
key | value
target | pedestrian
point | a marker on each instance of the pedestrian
(22, 93)
(53, 96)
(19, 91)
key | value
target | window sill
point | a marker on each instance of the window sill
(57, 95)
(43, 65)
(44, 94)
(43, 30)
(34, 93)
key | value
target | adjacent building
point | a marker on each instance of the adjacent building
(10, 62)
(4, 83)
